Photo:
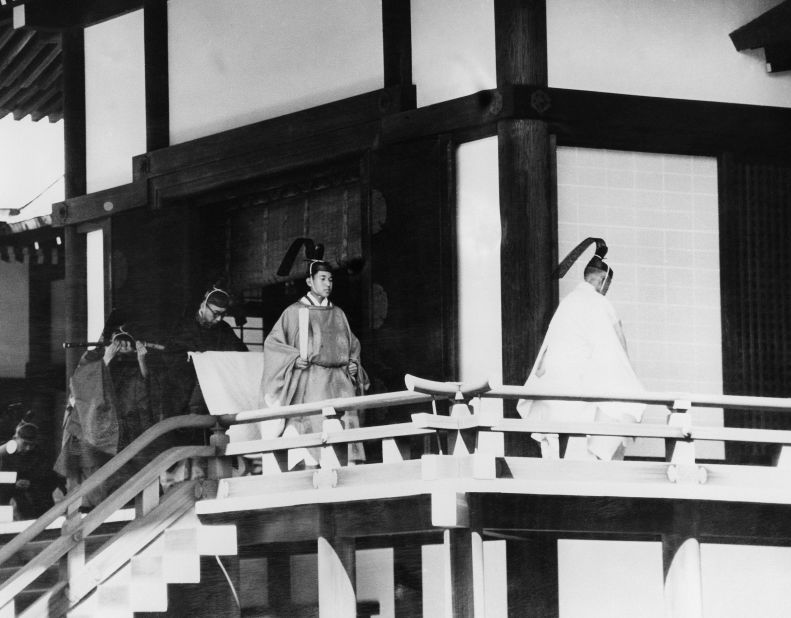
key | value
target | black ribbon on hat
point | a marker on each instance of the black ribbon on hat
(568, 261)
(313, 253)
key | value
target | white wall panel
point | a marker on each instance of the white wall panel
(478, 234)
(94, 247)
(745, 581)
(114, 100)
(452, 48)
(235, 62)
(662, 48)
(610, 579)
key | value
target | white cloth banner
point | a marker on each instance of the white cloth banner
(230, 383)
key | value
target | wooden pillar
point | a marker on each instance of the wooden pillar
(76, 295)
(75, 185)
(408, 581)
(528, 252)
(336, 562)
(155, 32)
(278, 575)
(74, 112)
(532, 572)
(681, 564)
(464, 575)
(397, 42)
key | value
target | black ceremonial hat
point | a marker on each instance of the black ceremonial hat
(596, 262)
(313, 253)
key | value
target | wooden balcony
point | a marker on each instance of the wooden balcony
(255, 538)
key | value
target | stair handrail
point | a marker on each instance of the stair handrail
(101, 475)
(95, 518)
(360, 402)
(65, 595)
(187, 421)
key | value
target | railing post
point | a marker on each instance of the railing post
(463, 590)
(74, 562)
(219, 467)
(335, 456)
(680, 452)
(147, 500)
(461, 441)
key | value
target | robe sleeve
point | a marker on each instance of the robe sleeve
(361, 381)
(93, 404)
(280, 380)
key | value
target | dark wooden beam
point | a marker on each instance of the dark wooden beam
(15, 47)
(52, 107)
(482, 109)
(99, 204)
(604, 120)
(155, 33)
(61, 15)
(653, 124)
(267, 134)
(528, 218)
(189, 182)
(76, 309)
(23, 60)
(397, 42)
(43, 101)
(778, 56)
(52, 54)
(771, 27)
(74, 112)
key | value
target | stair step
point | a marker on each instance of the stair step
(148, 579)
(114, 597)
(181, 561)
(151, 591)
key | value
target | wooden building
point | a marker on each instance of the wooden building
(447, 153)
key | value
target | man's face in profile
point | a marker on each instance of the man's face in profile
(209, 315)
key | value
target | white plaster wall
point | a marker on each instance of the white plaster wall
(453, 52)
(610, 579)
(94, 242)
(235, 62)
(478, 241)
(114, 100)
(662, 48)
(745, 581)
(15, 320)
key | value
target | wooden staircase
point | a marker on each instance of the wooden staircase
(190, 552)
(128, 571)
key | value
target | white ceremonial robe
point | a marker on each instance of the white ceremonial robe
(583, 351)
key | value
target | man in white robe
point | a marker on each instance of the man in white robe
(584, 350)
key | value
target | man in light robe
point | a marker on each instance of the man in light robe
(584, 350)
(311, 354)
